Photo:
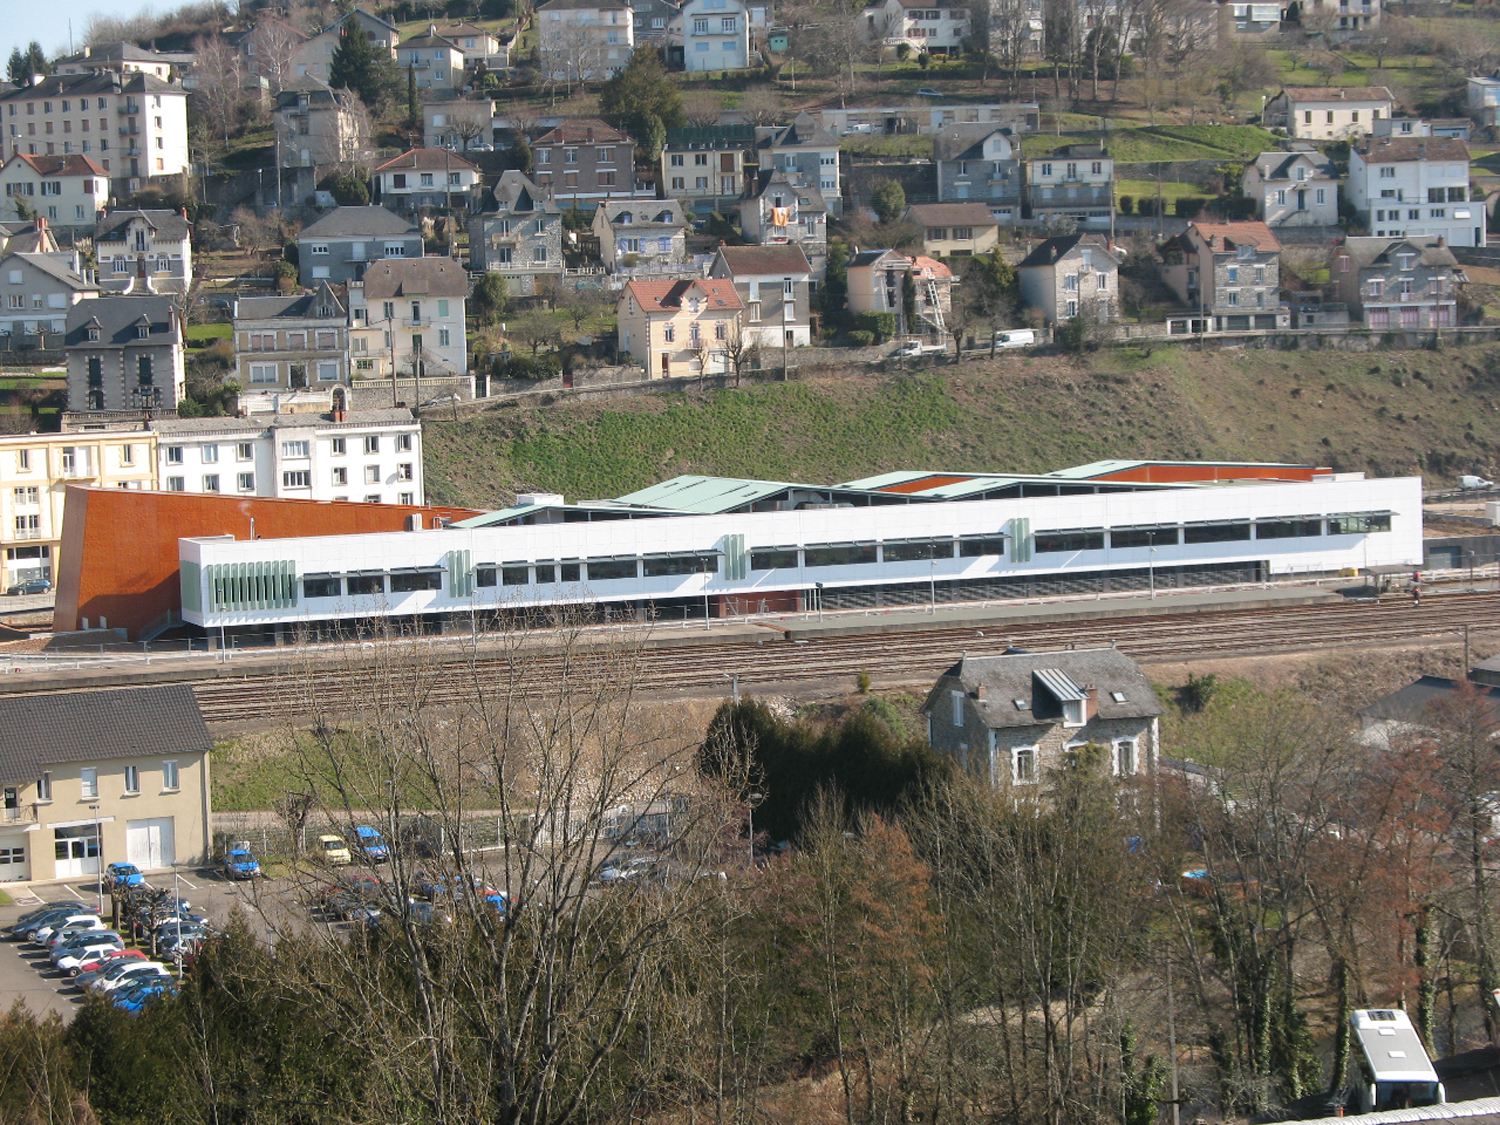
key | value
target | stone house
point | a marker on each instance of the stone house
(979, 163)
(1012, 720)
(1293, 189)
(775, 285)
(805, 153)
(955, 230)
(518, 236)
(340, 246)
(291, 343)
(1397, 283)
(679, 328)
(125, 354)
(643, 236)
(783, 213)
(1229, 274)
(1076, 275)
(146, 251)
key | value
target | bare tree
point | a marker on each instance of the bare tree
(702, 108)
(353, 144)
(833, 36)
(742, 350)
(271, 46)
(569, 53)
(469, 121)
(219, 96)
(1010, 38)
(761, 106)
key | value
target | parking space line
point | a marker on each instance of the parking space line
(186, 883)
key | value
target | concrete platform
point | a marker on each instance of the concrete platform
(804, 627)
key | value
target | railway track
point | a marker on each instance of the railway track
(902, 658)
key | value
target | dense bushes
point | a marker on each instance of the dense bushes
(880, 325)
(514, 365)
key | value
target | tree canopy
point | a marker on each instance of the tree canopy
(641, 91)
(356, 66)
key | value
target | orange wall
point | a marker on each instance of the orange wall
(1182, 474)
(119, 554)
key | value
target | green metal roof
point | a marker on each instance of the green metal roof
(704, 496)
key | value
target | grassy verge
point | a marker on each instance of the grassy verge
(206, 333)
(1161, 143)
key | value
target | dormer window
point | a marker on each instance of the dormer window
(1246, 252)
(93, 332)
(142, 331)
(1073, 713)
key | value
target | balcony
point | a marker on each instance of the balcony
(416, 322)
(128, 107)
(19, 813)
(129, 131)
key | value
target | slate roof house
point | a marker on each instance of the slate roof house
(291, 342)
(1010, 720)
(125, 353)
(342, 244)
(774, 284)
(980, 163)
(1075, 275)
(651, 233)
(98, 777)
(782, 212)
(1390, 283)
(955, 230)
(1293, 189)
(519, 235)
(1417, 709)
(39, 289)
(147, 251)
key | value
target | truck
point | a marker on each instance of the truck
(1474, 484)
(1015, 338)
(366, 843)
(1389, 1068)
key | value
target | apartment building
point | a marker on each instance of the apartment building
(292, 342)
(1293, 189)
(144, 251)
(67, 191)
(583, 161)
(1416, 188)
(370, 456)
(519, 236)
(903, 120)
(1075, 182)
(1483, 94)
(424, 179)
(340, 246)
(784, 213)
(678, 329)
(457, 123)
(125, 354)
(1327, 113)
(122, 58)
(410, 312)
(775, 287)
(38, 290)
(715, 35)
(979, 163)
(317, 124)
(314, 58)
(706, 166)
(35, 470)
(434, 61)
(133, 125)
(922, 27)
(1400, 283)
(584, 40)
(806, 153)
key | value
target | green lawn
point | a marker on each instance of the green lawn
(207, 333)
(1171, 191)
(1162, 143)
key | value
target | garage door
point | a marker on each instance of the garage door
(148, 843)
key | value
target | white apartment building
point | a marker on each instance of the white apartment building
(921, 26)
(435, 62)
(133, 125)
(1416, 188)
(1328, 113)
(1076, 181)
(67, 191)
(715, 35)
(584, 40)
(35, 470)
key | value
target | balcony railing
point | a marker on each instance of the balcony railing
(416, 322)
(23, 812)
(128, 107)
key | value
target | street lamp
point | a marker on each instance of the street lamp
(99, 853)
(734, 685)
(1151, 568)
(753, 801)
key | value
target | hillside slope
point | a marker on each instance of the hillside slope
(1431, 412)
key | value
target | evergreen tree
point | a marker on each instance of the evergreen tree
(641, 91)
(15, 69)
(358, 68)
(23, 64)
(413, 107)
(653, 139)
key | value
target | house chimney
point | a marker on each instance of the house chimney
(979, 692)
(1090, 702)
(1441, 241)
(41, 223)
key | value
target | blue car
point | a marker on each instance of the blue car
(123, 875)
(368, 844)
(240, 864)
(136, 998)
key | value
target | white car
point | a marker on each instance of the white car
(79, 954)
(75, 920)
(130, 973)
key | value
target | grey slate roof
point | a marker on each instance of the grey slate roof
(1369, 252)
(415, 277)
(105, 82)
(518, 195)
(645, 213)
(301, 306)
(117, 319)
(1053, 250)
(808, 198)
(1043, 680)
(1279, 165)
(167, 224)
(260, 423)
(964, 142)
(1414, 702)
(91, 726)
(52, 267)
(802, 133)
(372, 221)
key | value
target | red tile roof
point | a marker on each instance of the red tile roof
(669, 296)
(73, 165)
(1226, 236)
(748, 261)
(580, 130)
(428, 158)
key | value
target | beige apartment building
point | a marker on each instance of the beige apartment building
(35, 470)
(90, 778)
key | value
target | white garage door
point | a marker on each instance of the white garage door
(148, 843)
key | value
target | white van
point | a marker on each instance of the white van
(1015, 338)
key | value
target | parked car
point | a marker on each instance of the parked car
(43, 934)
(627, 868)
(70, 934)
(120, 876)
(137, 997)
(240, 864)
(925, 92)
(131, 972)
(333, 851)
(104, 958)
(69, 959)
(367, 844)
(33, 586)
(31, 917)
(1015, 338)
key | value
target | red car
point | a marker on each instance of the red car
(108, 957)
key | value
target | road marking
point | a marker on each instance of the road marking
(186, 883)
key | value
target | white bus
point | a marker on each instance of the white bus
(1393, 1070)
